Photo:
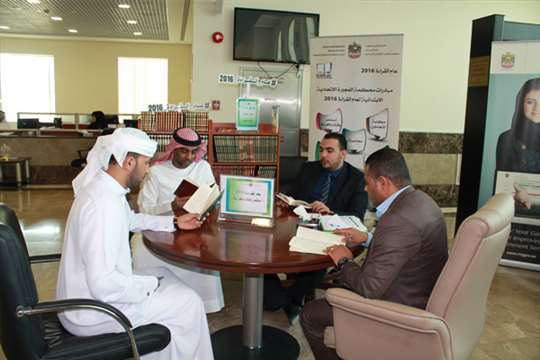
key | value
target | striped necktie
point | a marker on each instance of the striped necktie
(325, 190)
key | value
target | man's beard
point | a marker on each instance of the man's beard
(134, 180)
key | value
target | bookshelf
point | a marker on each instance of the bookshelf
(230, 152)
(245, 153)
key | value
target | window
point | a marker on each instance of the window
(141, 82)
(26, 84)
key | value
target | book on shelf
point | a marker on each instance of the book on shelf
(312, 241)
(203, 200)
(289, 200)
(334, 222)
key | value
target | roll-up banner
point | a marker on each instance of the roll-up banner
(355, 91)
(511, 160)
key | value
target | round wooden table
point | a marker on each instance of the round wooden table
(250, 250)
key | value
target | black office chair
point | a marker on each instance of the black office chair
(30, 329)
(289, 170)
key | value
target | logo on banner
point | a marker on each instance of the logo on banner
(324, 71)
(330, 122)
(507, 60)
(377, 125)
(354, 51)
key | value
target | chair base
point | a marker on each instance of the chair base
(276, 344)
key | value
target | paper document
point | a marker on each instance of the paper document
(313, 241)
(333, 222)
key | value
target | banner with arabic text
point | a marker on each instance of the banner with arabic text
(355, 91)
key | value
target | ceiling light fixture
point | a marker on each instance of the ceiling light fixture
(137, 33)
(132, 22)
(124, 6)
(4, 27)
(34, 1)
(73, 31)
(56, 18)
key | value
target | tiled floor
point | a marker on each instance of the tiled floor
(512, 329)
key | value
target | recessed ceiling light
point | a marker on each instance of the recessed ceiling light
(56, 18)
(73, 31)
(4, 27)
(124, 6)
(34, 1)
(132, 22)
(137, 33)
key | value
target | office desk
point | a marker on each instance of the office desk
(18, 162)
(252, 251)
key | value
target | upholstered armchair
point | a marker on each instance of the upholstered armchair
(30, 329)
(450, 326)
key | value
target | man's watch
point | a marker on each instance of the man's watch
(341, 263)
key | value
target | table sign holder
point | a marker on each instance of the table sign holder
(247, 114)
(248, 200)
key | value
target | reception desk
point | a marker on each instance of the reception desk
(51, 151)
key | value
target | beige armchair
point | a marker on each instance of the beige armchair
(453, 321)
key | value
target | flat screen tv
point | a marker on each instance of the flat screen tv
(273, 36)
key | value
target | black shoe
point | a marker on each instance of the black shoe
(292, 311)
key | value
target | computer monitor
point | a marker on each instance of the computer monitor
(58, 122)
(28, 123)
(130, 123)
(111, 119)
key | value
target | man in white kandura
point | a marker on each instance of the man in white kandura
(96, 259)
(182, 159)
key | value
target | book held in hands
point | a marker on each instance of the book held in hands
(203, 196)
(289, 200)
(313, 241)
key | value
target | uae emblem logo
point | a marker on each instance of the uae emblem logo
(354, 51)
(507, 60)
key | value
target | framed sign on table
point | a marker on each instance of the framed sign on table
(247, 199)
(247, 114)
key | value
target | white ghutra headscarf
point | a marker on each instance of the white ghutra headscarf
(117, 144)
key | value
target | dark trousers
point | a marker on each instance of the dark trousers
(276, 296)
(314, 318)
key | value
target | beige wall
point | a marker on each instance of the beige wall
(436, 49)
(86, 71)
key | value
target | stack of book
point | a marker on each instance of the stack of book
(147, 121)
(197, 120)
(167, 121)
(161, 139)
(266, 171)
(230, 148)
(233, 170)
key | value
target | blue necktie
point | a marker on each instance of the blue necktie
(325, 190)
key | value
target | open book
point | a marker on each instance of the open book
(203, 200)
(333, 222)
(313, 241)
(289, 200)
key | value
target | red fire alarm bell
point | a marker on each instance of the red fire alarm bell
(217, 37)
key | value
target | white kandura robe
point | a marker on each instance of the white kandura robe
(96, 264)
(155, 197)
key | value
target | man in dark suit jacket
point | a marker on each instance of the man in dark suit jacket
(330, 185)
(406, 252)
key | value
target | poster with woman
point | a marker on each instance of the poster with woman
(512, 145)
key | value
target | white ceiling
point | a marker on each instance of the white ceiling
(157, 20)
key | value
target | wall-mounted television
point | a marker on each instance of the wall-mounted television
(273, 36)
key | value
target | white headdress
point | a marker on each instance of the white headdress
(117, 144)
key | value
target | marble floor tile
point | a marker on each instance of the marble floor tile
(512, 328)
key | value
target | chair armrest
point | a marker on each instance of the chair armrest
(395, 325)
(74, 304)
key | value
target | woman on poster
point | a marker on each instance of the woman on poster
(518, 149)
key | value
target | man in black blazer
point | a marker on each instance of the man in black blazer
(330, 185)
